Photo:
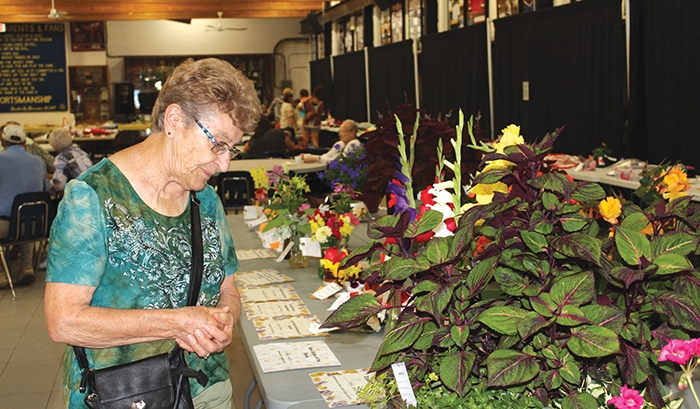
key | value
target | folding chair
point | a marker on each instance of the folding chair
(235, 189)
(29, 223)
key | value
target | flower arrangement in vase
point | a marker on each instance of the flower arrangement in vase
(288, 211)
(545, 289)
(261, 182)
(348, 169)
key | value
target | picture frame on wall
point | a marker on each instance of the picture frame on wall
(87, 35)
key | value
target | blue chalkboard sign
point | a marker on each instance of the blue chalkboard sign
(33, 68)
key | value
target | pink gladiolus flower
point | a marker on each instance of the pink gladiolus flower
(628, 399)
(679, 351)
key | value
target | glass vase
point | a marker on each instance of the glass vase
(296, 258)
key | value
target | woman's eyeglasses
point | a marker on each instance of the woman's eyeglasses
(219, 147)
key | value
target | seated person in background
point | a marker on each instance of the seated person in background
(32, 148)
(268, 140)
(20, 172)
(70, 160)
(348, 142)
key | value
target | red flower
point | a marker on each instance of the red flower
(422, 238)
(450, 224)
(481, 244)
(334, 255)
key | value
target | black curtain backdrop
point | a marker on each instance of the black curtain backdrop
(457, 73)
(574, 59)
(321, 75)
(391, 79)
(664, 81)
(349, 90)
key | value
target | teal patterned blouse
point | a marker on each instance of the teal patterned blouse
(105, 236)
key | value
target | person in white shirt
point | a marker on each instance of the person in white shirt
(348, 142)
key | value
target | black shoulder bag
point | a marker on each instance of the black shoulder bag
(158, 382)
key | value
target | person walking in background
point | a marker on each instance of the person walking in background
(70, 160)
(119, 261)
(299, 106)
(275, 109)
(315, 112)
(20, 172)
(288, 117)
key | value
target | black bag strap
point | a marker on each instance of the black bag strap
(192, 291)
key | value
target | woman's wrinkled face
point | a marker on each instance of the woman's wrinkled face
(207, 148)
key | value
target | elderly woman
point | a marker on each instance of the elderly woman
(119, 259)
(70, 160)
(348, 142)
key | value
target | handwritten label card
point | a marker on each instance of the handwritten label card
(339, 388)
(284, 356)
(252, 254)
(286, 327)
(268, 293)
(275, 308)
(261, 277)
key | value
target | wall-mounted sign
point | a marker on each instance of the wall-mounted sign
(33, 68)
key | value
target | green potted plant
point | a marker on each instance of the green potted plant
(544, 288)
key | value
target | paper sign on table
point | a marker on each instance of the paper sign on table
(284, 356)
(326, 291)
(252, 254)
(250, 212)
(286, 327)
(268, 293)
(310, 248)
(339, 388)
(275, 308)
(261, 277)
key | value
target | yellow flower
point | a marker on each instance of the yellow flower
(347, 227)
(497, 164)
(260, 179)
(648, 230)
(350, 272)
(484, 192)
(322, 234)
(676, 183)
(511, 136)
(610, 208)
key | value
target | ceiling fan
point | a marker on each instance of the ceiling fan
(219, 27)
(53, 14)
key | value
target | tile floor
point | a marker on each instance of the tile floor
(30, 363)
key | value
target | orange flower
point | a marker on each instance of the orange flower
(675, 184)
(610, 208)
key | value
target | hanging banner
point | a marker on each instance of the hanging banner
(33, 68)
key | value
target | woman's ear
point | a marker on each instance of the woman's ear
(171, 119)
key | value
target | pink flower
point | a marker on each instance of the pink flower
(304, 206)
(679, 351)
(628, 399)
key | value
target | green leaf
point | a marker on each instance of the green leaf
(437, 251)
(582, 401)
(571, 316)
(636, 221)
(571, 372)
(543, 305)
(512, 282)
(481, 275)
(682, 311)
(632, 245)
(425, 340)
(536, 242)
(573, 222)
(435, 301)
(672, 263)
(550, 200)
(552, 380)
(551, 181)
(430, 220)
(384, 361)
(604, 316)
(531, 323)
(354, 312)
(402, 336)
(588, 192)
(375, 229)
(503, 319)
(398, 269)
(455, 369)
(626, 275)
(676, 242)
(508, 367)
(593, 341)
(579, 245)
(573, 289)
(459, 334)
(539, 223)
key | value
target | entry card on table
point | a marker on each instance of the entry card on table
(339, 388)
(253, 254)
(275, 309)
(285, 327)
(285, 356)
(268, 293)
(261, 277)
